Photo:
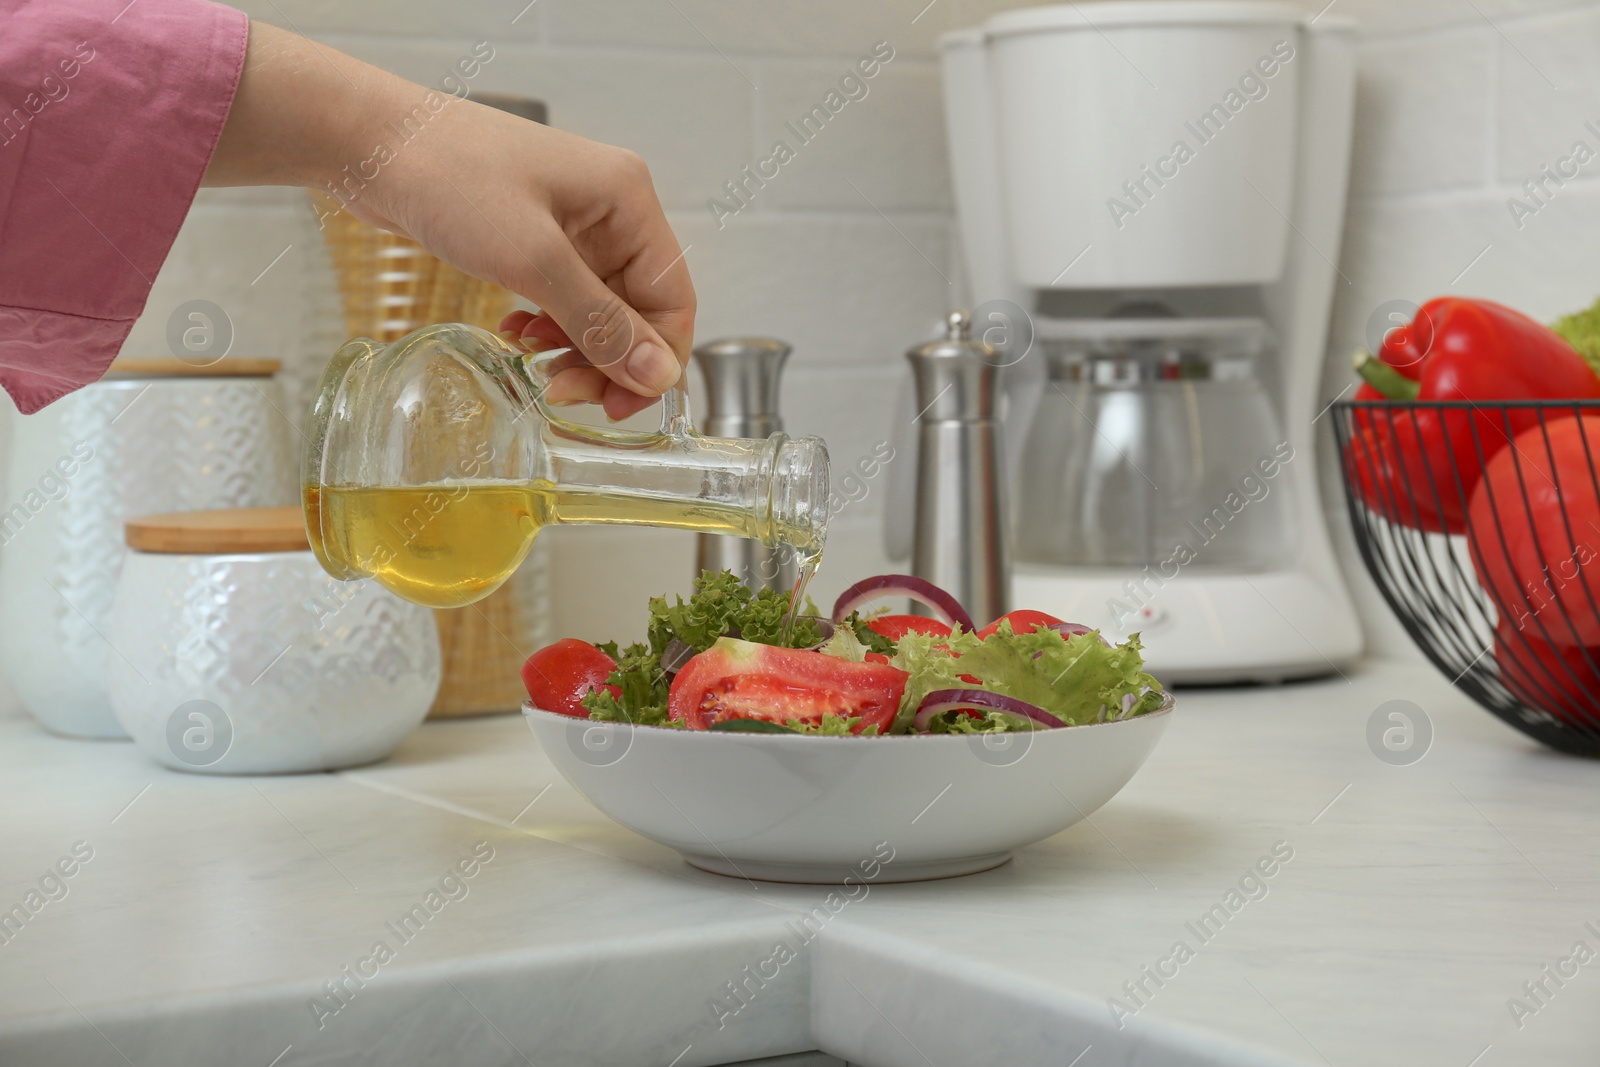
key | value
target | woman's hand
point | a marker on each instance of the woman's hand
(568, 223)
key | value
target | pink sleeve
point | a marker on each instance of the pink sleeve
(109, 113)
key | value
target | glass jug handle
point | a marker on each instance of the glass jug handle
(675, 422)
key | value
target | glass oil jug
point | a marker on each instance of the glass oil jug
(433, 462)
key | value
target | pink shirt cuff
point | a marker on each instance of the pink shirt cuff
(109, 114)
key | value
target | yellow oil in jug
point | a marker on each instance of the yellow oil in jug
(441, 545)
(451, 543)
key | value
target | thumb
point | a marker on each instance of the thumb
(611, 335)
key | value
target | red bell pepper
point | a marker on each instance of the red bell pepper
(1418, 465)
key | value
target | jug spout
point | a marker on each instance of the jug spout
(774, 491)
(433, 463)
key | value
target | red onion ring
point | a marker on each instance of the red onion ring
(942, 700)
(945, 606)
(1072, 629)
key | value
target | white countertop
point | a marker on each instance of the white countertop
(1417, 902)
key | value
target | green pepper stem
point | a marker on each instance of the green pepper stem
(1384, 378)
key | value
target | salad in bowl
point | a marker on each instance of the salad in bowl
(761, 745)
(732, 659)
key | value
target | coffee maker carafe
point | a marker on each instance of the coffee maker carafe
(1157, 190)
(1154, 443)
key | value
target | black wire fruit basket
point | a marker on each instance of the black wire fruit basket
(1480, 524)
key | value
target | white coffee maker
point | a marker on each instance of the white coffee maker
(1151, 197)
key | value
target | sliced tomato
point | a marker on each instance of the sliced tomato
(894, 627)
(559, 676)
(743, 680)
(1024, 621)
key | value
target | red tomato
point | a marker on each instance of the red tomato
(559, 676)
(894, 627)
(1562, 681)
(742, 680)
(1539, 554)
(1023, 621)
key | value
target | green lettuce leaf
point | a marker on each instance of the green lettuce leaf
(831, 725)
(643, 683)
(1581, 330)
(872, 639)
(930, 668)
(1077, 679)
(845, 645)
(722, 603)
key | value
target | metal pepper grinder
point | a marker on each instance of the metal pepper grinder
(960, 541)
(741, 376)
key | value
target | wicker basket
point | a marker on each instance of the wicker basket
(390, 285)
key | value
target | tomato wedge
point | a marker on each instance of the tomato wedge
(894, 627)
(559, 676)
(742, 680)
(1024, 621)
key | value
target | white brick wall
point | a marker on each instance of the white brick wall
(1424, 113)
(1456, 109)
(886, 149)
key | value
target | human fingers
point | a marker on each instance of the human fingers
(612, 335)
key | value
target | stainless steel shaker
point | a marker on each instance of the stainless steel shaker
(960, 541)
(741, 376)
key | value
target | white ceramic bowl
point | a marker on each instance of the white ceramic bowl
(259, 663)
(820, 809)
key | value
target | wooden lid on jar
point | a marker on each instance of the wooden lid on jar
(227, 531)
(168, 367)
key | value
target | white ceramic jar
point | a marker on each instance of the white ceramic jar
(235, 653)
(152, 436)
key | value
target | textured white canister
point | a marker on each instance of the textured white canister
(257, 662)
(152, 436)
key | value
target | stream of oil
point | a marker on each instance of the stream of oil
(807, 561)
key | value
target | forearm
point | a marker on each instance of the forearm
(302, 110)
(571, 225)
